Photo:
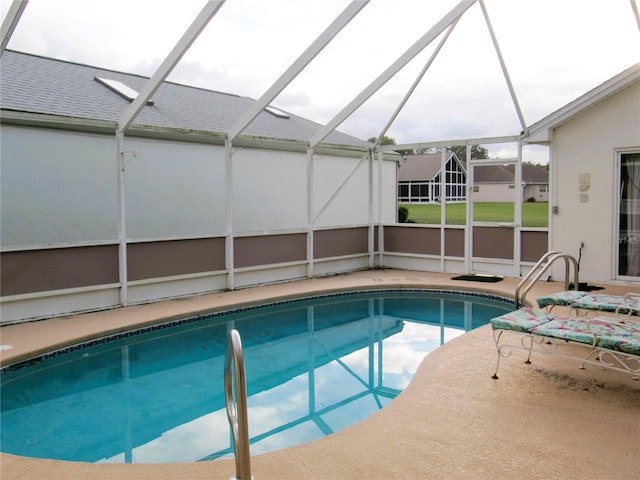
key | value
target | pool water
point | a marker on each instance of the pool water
(313, 366)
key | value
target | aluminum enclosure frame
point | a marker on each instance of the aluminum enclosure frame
(375, 154)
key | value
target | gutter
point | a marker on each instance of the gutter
(108, 127)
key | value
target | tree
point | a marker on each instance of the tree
(389, 141)
(385, 140)
(477, 152)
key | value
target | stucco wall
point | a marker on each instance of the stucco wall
(494, 192)
(589, 144)
(500, 192)
(61, 188)
(57, 187)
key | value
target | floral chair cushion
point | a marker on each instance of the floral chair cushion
(623, 337)
(521, 320)
(597, 301)
(609, 303)
(562, 298)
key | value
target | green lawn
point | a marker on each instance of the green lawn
(534, 214)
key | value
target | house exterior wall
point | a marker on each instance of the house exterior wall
(59, 200)
(502, 192)
(57, 187)
(589, 144)
(539, 193)
(61, 188)
(172, 189)
(494, 192)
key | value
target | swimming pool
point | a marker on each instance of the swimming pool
(314, 366)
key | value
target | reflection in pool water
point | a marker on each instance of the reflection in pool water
(313, 367)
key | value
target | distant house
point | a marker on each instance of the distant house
(419, 179)
(495, 183)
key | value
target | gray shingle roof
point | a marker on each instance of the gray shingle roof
(421, 167)
(505, 174)
(427, 166)
(36, 84)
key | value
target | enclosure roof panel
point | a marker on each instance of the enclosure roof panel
(42, 85)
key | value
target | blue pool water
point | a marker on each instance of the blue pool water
(313, 366)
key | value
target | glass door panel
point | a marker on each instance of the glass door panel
(629, 219)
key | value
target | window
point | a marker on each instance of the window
(403, 192)
(629, 216)
(276, 111)
(120, 88)
(544, 188)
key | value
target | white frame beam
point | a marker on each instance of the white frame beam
(300, 64)
(416, 82)
(206, 14)
(395, 67)
(125, 120)
(503, 65)
(636, 14)
(342, 185)
(11, 22)
(449, 143)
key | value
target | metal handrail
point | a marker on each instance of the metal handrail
(540, 268)
(237, 415)
(533, 270)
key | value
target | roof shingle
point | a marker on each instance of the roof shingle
(44, 85)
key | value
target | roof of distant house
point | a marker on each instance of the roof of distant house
(421, 167)
(41, 85)
(531, 174)
(427, 166)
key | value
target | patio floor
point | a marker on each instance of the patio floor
(546, 420)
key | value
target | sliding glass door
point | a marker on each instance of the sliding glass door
(629, 219)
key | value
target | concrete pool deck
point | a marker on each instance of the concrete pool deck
(546, 420)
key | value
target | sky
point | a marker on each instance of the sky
(554, 50)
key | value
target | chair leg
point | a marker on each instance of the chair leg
(496, 336)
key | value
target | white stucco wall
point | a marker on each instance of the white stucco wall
(500, 192)
(173, 190)
(533, 191)
(269, 190)
(57, 187)
(350, 206)
(61, 188)
(589, 144)
(494, 192)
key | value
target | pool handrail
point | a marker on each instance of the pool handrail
(237, 414)
(540, 268)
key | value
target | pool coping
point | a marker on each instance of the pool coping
(185, 320)
(470, 356)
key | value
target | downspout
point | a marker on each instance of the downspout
(371, 238)
(310, 220)
(468, 238)
(517, 227)
(443, 206)
(229, 254)
(122, 231)
(380, 226)
(553, 200)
